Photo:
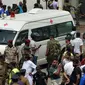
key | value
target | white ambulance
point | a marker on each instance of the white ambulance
(43, 23)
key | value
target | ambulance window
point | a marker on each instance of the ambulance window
(45, 31)
(22, 36)
(41, 33)
(6, 35)
(64, 28)
(36, 34)
(49, 30)
(53, 31)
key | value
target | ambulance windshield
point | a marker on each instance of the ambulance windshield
(6, 35)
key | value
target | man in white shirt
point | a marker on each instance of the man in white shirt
(30, 68)
(68, 69)
(77, 44)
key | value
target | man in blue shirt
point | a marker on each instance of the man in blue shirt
(82, 80)
(8, 11)
(20, 7)
(1, 10)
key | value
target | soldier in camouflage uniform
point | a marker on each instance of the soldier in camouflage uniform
(53, 49)
(2, 70)
(11, 54)
(68, 42)
(26, 47)
(25, 50)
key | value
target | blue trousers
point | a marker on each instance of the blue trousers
(35, 59)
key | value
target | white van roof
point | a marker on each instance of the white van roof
(35, 15)
(31, 16)
(11, 25)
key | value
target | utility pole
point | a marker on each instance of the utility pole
(46, 1)
(61, 3)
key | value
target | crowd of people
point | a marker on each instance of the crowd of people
(22, 7)
(7, 10)
(65, 67)
(18, 66)
(71, 60)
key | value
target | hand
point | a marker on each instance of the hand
(67, 82)
(80, 54)
(30, 74)
(39, 46)
(74, 84)
(59, 66)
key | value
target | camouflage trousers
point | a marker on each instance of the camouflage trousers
(50, 58)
